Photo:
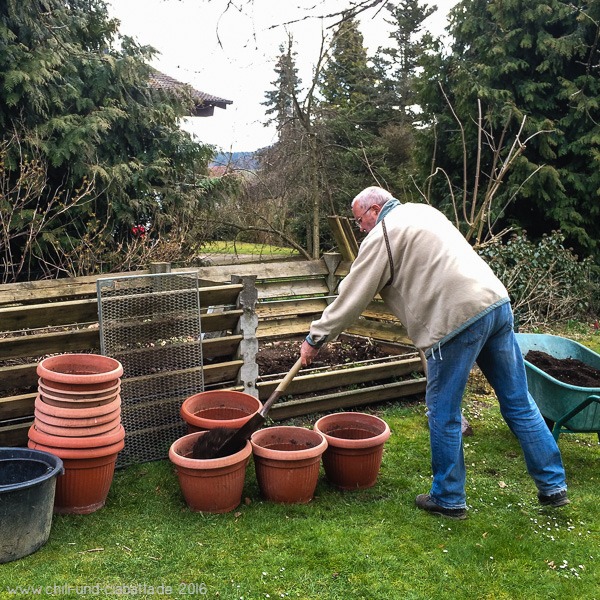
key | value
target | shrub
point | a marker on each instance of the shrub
(547, 282)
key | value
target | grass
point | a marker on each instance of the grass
(369, 544)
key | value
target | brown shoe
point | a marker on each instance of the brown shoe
(424, 502)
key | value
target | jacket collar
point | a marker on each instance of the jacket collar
(387, 207)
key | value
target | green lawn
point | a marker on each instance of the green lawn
(230, 247)
(372, 544)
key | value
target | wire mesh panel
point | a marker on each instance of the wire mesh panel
(151, 324)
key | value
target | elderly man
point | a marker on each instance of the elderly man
(458, 313)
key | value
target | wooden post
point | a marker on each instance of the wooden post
(332, 261)
(247, 326)
(160, 267)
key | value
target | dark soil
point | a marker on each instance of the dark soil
(566, 370)
(279, 356)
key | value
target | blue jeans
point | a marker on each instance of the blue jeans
(489, 342)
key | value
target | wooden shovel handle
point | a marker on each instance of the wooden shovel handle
(283, 385)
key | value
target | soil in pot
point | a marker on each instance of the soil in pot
(566, 370)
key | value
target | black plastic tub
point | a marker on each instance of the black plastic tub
(27, 486)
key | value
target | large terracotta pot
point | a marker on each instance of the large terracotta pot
(218, 408)
(287, 461)
(88, 474)
(355, 448)
(80, 369)
(209, 485)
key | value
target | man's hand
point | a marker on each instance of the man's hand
(308, 353)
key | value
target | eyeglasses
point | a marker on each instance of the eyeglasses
(358, 221)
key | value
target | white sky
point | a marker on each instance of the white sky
(232, 53)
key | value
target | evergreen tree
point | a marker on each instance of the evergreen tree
(350, 116)
(536, 61)
(76, 98)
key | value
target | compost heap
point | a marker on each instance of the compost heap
(279, 356)
(566, 370)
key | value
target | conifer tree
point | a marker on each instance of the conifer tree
(532, 62)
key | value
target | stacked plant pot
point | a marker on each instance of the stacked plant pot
(78, 419)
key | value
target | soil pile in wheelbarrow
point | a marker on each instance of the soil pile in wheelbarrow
(567, 370)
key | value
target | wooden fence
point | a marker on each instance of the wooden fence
(48, 317)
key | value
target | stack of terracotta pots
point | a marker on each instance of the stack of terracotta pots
(78, 419)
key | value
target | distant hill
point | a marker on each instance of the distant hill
(239, 160)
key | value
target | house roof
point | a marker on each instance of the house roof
(204, 103)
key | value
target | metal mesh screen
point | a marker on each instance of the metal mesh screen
(151, 324)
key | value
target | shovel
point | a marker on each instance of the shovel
(223, 441)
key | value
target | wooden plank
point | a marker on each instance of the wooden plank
(348, 399)
(282, 328)
(80, 340)
(49, 314)
(24, 376)
(17, 377)
(274, 309)
(292, 288)
(15, 407)
(392, 332)
(220, 346)
(343, 377)
(15, 435)
(265, 270)
(85, 340)
(344, 237)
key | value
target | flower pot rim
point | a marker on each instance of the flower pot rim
(65, 402)
(79, 453)
(76, 421)
(72, 431)
(92, 411)
(96, 441)
(204, 463)
(353, 418)
(288, 430)
(107, 368)
(77, 393)
(191, 418)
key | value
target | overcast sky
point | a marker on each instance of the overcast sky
(231, 53)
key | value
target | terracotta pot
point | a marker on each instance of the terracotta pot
(76, 413)
(79, 443)
(88, 475)
(69, 430)
(77, 402)
(98, 387)
(79, 391)
(209, 485)
(287, 461)
(218, 408)
(81, 369)
(355, 448)
(75, 422)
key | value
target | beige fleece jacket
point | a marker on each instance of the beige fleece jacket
(440, 283)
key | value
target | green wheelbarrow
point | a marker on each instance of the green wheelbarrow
(566, 408)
